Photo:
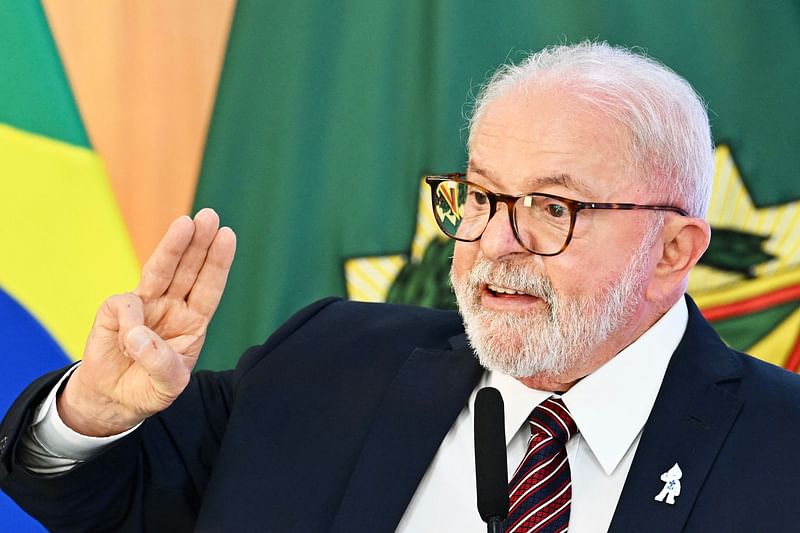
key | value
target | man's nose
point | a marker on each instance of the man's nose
(498, 240)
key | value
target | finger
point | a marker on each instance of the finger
(130, 312)
(159, 269)
(164, 367)
(121, 312)
(206, 224)
(118, 315)
(207, 290)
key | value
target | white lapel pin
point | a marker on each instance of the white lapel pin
(672, 485)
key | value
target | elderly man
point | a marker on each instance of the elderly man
(577, 222)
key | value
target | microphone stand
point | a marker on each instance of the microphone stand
(494, 525)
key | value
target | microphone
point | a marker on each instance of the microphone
(491, 472)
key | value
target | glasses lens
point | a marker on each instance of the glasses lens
(543, 223)
(461, 209)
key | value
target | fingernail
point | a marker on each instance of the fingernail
(138, 338)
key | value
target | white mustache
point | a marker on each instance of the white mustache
(512, 275)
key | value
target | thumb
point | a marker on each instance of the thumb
(140, 340)
(156, 357)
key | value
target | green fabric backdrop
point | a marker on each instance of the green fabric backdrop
(329, 112)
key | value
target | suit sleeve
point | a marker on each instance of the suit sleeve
(152, 480)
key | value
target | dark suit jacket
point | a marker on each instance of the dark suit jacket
(330, 425)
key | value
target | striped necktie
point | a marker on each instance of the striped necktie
(541, 488)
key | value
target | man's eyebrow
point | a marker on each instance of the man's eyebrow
(564, 180)
(472, 168)
(560, 180)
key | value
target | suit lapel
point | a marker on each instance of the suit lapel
(420, 405)
(691, 418)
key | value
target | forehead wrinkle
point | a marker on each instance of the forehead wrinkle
(532, 184)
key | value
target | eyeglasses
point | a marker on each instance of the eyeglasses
(543, 223)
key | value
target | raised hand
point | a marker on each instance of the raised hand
(144, 344)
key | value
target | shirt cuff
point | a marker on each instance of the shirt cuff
(50, 431)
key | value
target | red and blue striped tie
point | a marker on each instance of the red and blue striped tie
(541, 488)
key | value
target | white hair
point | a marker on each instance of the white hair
(670, 137)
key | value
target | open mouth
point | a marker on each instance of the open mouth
(495, 295)
(497, 290)
(499, 298)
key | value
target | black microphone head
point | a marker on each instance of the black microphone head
(491, 472)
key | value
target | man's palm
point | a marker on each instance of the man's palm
(144, 344)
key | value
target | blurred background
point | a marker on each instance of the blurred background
(308, 125)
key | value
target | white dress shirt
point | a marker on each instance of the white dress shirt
(610, 408)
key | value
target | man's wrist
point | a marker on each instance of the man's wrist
(92, 415)
(50, 446)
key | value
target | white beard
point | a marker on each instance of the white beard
(524, 345)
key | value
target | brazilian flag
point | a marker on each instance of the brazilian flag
(64, 244)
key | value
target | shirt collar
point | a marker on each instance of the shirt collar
(611, 405)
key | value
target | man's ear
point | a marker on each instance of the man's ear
(683, 242)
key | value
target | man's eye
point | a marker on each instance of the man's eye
(479, 198)
(557, 210)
